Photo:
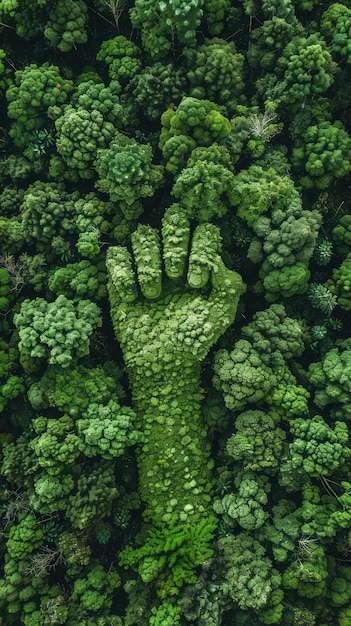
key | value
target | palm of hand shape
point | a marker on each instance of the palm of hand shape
(181, 315)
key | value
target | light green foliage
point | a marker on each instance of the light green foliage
(95, 96)
(245, 506)
(242, 376)
(336, 27)
(322, 298)
(306, 5)
(307, 68)
(107, 430)
(24, 537)
(256, 369)
(49, 492)
(324, 155)
(167, 614)
(207, 244)
(175, 548)
(3, 72)
(125, 170)
(217, 73)
(289, 236)
(55, 445)
(203, 188)
(93, 594)
(330, 378)
(250, 578)
(323, 252)
(215, 153)
(17, 587)
(175, 239)
(88, 244)
(92, 214)
(344, 616)
(79, 135)
(191, 329)
(340, 284)
(201, 120)
(36, 89)
(276, 8)
(58, 331)
(122, 57)
(288, 281)
(276, 335)
(72, 390)
(317, 513)
(87, 126)
(93, 498)
(164, 23)
(80, 280)
(284, 243)
(257, 443)
(66, 25)
(288, 398)
(317, 448)
(176, 151)
(146, 249)
(256, 190)
(166, 338)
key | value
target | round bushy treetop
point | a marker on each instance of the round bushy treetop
(323, 155)
(318, 449)
(87, 126)
(284, 243)
(201, 120)
(331, 377)
(249, 572)
(95, 96)
(257, 189)
(217, 73)
(47, 211)
(36, 89)
(245, 506)
(307, 68)
(256, 369)
(203, 189)
(57, 331)
(336, 27)
(340, 284)
(107, 430)
(125, 170)
(162, 24)
(275, 335)
(154, 88)
(122, 57)
(66, 25)
(72, 390)
(257, 443)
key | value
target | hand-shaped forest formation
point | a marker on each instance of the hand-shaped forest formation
(175, 289)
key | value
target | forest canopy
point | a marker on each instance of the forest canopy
(175, 289)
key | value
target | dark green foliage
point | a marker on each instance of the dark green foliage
(149, 151)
